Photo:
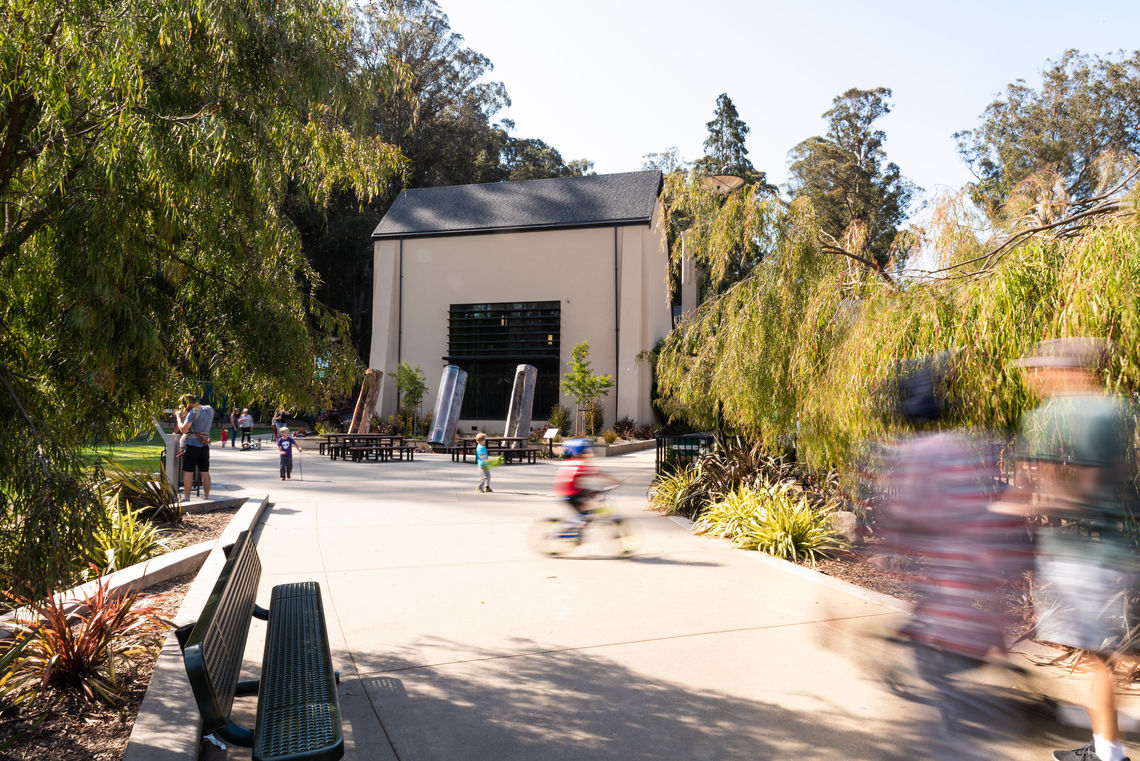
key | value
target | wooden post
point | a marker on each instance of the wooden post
(366, 402)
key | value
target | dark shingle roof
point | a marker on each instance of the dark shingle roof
(601, 199)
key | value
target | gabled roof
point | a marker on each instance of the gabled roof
(595, 200)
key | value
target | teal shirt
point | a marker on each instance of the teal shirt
(1084, 431)
(481, 455)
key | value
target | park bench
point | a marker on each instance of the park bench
(298, 712)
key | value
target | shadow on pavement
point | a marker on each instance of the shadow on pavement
(575, 705)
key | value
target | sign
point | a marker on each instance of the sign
(550, 433)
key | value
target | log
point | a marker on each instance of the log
(366, 402)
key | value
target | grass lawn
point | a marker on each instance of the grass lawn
(143, 454)
(133, 455)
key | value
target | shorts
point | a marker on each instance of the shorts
(580, 502)
(196, 457)
(1083, 603)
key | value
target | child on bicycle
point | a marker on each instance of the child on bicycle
(571, 481)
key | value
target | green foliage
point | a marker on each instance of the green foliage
(584, 386)
(85, 651)
(560, 418)
(411, 385)
(149, 493)
(798, 353)
(610, 437)
(1084, 115)
(726, 151)
(791, 529)
(148, 150)
(126, 539)
(736, 516)
(678, 493)
(774, 518)
(859, 197)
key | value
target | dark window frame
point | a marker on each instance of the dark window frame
(490, 339)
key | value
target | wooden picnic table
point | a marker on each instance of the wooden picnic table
(504, 445)
(339, 444)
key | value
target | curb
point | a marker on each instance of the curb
(168, 726)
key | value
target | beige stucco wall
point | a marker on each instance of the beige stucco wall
(574, 267)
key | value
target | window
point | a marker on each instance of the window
(490, 340)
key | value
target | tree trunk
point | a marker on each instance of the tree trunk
(366, 402)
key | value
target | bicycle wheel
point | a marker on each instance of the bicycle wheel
(551, 536)
(619, 536)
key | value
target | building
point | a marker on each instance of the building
(490, 276)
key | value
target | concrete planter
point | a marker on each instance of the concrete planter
(625, 447)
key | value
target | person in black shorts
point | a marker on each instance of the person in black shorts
(197, 424)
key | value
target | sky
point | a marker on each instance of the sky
(613, 80)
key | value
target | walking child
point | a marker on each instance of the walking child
(285, 443)
(484, 463)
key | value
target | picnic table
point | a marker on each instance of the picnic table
(511, 448)
(362, 446)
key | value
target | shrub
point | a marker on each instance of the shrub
(642, 432)
(559, 418)
(595, 414)
(774, 518)
(149, 493)
(86, 654)
(124, 541)
(625, 427)
(737, 516)
(792, 529)
(677, 493)
(610, 437)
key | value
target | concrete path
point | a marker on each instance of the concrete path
(455, 641)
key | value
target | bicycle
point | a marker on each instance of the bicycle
(558, 536)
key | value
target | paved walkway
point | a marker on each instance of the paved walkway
(455, 641)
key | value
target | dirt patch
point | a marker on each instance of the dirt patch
(59, 725)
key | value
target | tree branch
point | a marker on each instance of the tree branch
(831, 248)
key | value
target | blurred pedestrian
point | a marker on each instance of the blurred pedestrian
(956, 555)
(234, 416)
(1072, 471)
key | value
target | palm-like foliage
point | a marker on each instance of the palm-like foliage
(677, 493)
(793, 530)
(125, 540)
(85, 654)
(150, 493)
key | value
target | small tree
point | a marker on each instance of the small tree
(586, 388)
(411, 385)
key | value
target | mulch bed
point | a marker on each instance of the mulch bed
(857, 568)
(59, 725)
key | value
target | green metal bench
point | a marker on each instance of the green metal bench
(298, 711)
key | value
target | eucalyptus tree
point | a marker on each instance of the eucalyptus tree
(1083, 117)
(858, 195)
(145, 154)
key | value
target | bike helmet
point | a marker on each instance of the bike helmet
(576, 447)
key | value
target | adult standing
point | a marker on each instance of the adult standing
(1073, 447)
(234, 416)
(245, 422)
(197, 456)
